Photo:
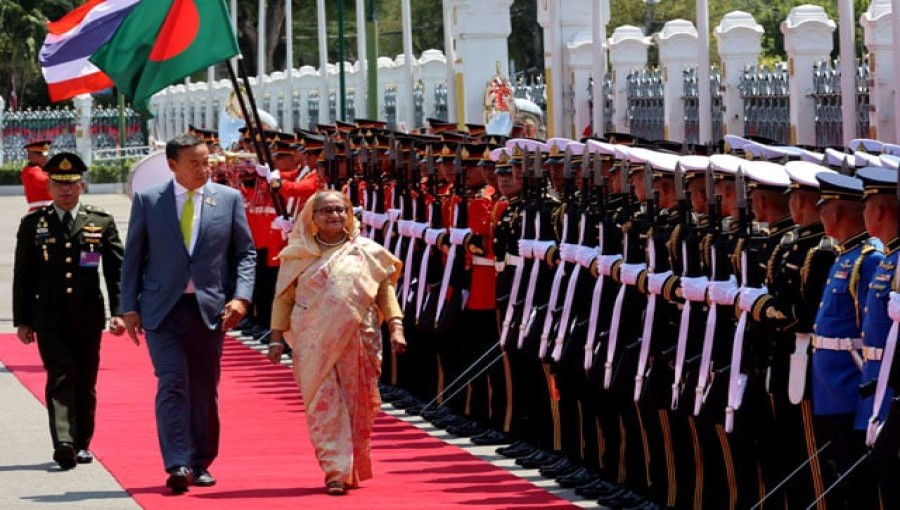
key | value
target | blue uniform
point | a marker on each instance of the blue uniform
(835, 374)
(876, 325)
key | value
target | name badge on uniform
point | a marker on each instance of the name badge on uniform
(90, 259)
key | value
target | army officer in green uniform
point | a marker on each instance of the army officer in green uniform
(57, 301)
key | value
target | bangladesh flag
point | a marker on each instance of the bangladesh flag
(162, 41)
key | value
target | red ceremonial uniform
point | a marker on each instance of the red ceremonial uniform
(35, 180)
(480, 252)
(260, 214)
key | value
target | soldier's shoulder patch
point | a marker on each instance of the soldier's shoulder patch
(93, 209)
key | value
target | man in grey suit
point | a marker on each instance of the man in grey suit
(187, 277)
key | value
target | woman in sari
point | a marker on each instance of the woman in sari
(334, 289)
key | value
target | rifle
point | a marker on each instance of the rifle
(255, 130)
(330, 164)
(745, 230)
(454, 277)
(364, 161)
(718, 272)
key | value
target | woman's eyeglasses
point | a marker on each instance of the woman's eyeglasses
(327, 211)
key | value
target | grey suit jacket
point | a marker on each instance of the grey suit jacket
(157, 265)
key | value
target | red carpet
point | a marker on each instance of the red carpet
(266, 459)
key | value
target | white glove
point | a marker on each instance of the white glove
(526, 248)
(586, 255)
(568, 252)
(367, 217)
(724, 293)
(749, 295)
(263, 171)
(894, 307)
(458, 235)
(432, 235)
(404, 228)
(656, 282)
(379, 219)
(606, 263)
(274, 175)
(631, 272)
(540, 248)
(694, 289)
(285, 225)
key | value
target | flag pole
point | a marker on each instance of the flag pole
(372, 59)
(288, 120)
(324, 102)
(255, 129)
(342, 78)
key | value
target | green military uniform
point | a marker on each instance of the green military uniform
(56, 292)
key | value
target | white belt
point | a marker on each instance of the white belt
(514, 260)
(39, 203)
(261, 210)
(872, 353)
(837, 344)
(478, 260)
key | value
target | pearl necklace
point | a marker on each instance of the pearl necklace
(331, 245)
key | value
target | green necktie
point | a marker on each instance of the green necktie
(187, 219)
(67, 222)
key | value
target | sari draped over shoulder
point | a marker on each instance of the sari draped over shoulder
(336, 341)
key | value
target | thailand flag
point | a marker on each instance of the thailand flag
(72, 40)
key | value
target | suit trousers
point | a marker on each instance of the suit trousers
(186, 357)
(71, 360)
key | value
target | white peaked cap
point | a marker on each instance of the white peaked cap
(867, 144)
(599, 147)
(694, 163)
(726, 163)
(766, 173)
(804, 172)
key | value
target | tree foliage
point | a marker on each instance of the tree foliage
(23, 28)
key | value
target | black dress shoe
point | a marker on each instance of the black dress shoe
(84, 457)
(561, 467)
(449, 421)
(468, 429)
(597, 489)
(646, 505)
(203, 478)
(490, 437)
(577, 478)
(622, 499)
(404, 403)
(64, 455)
(433, 412)
(541, 458)
(518, 452)
(518, 443)
(179, 480)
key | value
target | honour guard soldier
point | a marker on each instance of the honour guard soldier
(34, 178)
(837, 357)
(57, 301)
(880, 214)
(795, 279)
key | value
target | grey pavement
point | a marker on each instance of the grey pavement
(28, 476)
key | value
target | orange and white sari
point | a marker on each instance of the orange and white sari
(336, 340)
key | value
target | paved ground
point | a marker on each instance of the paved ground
(28, 476)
